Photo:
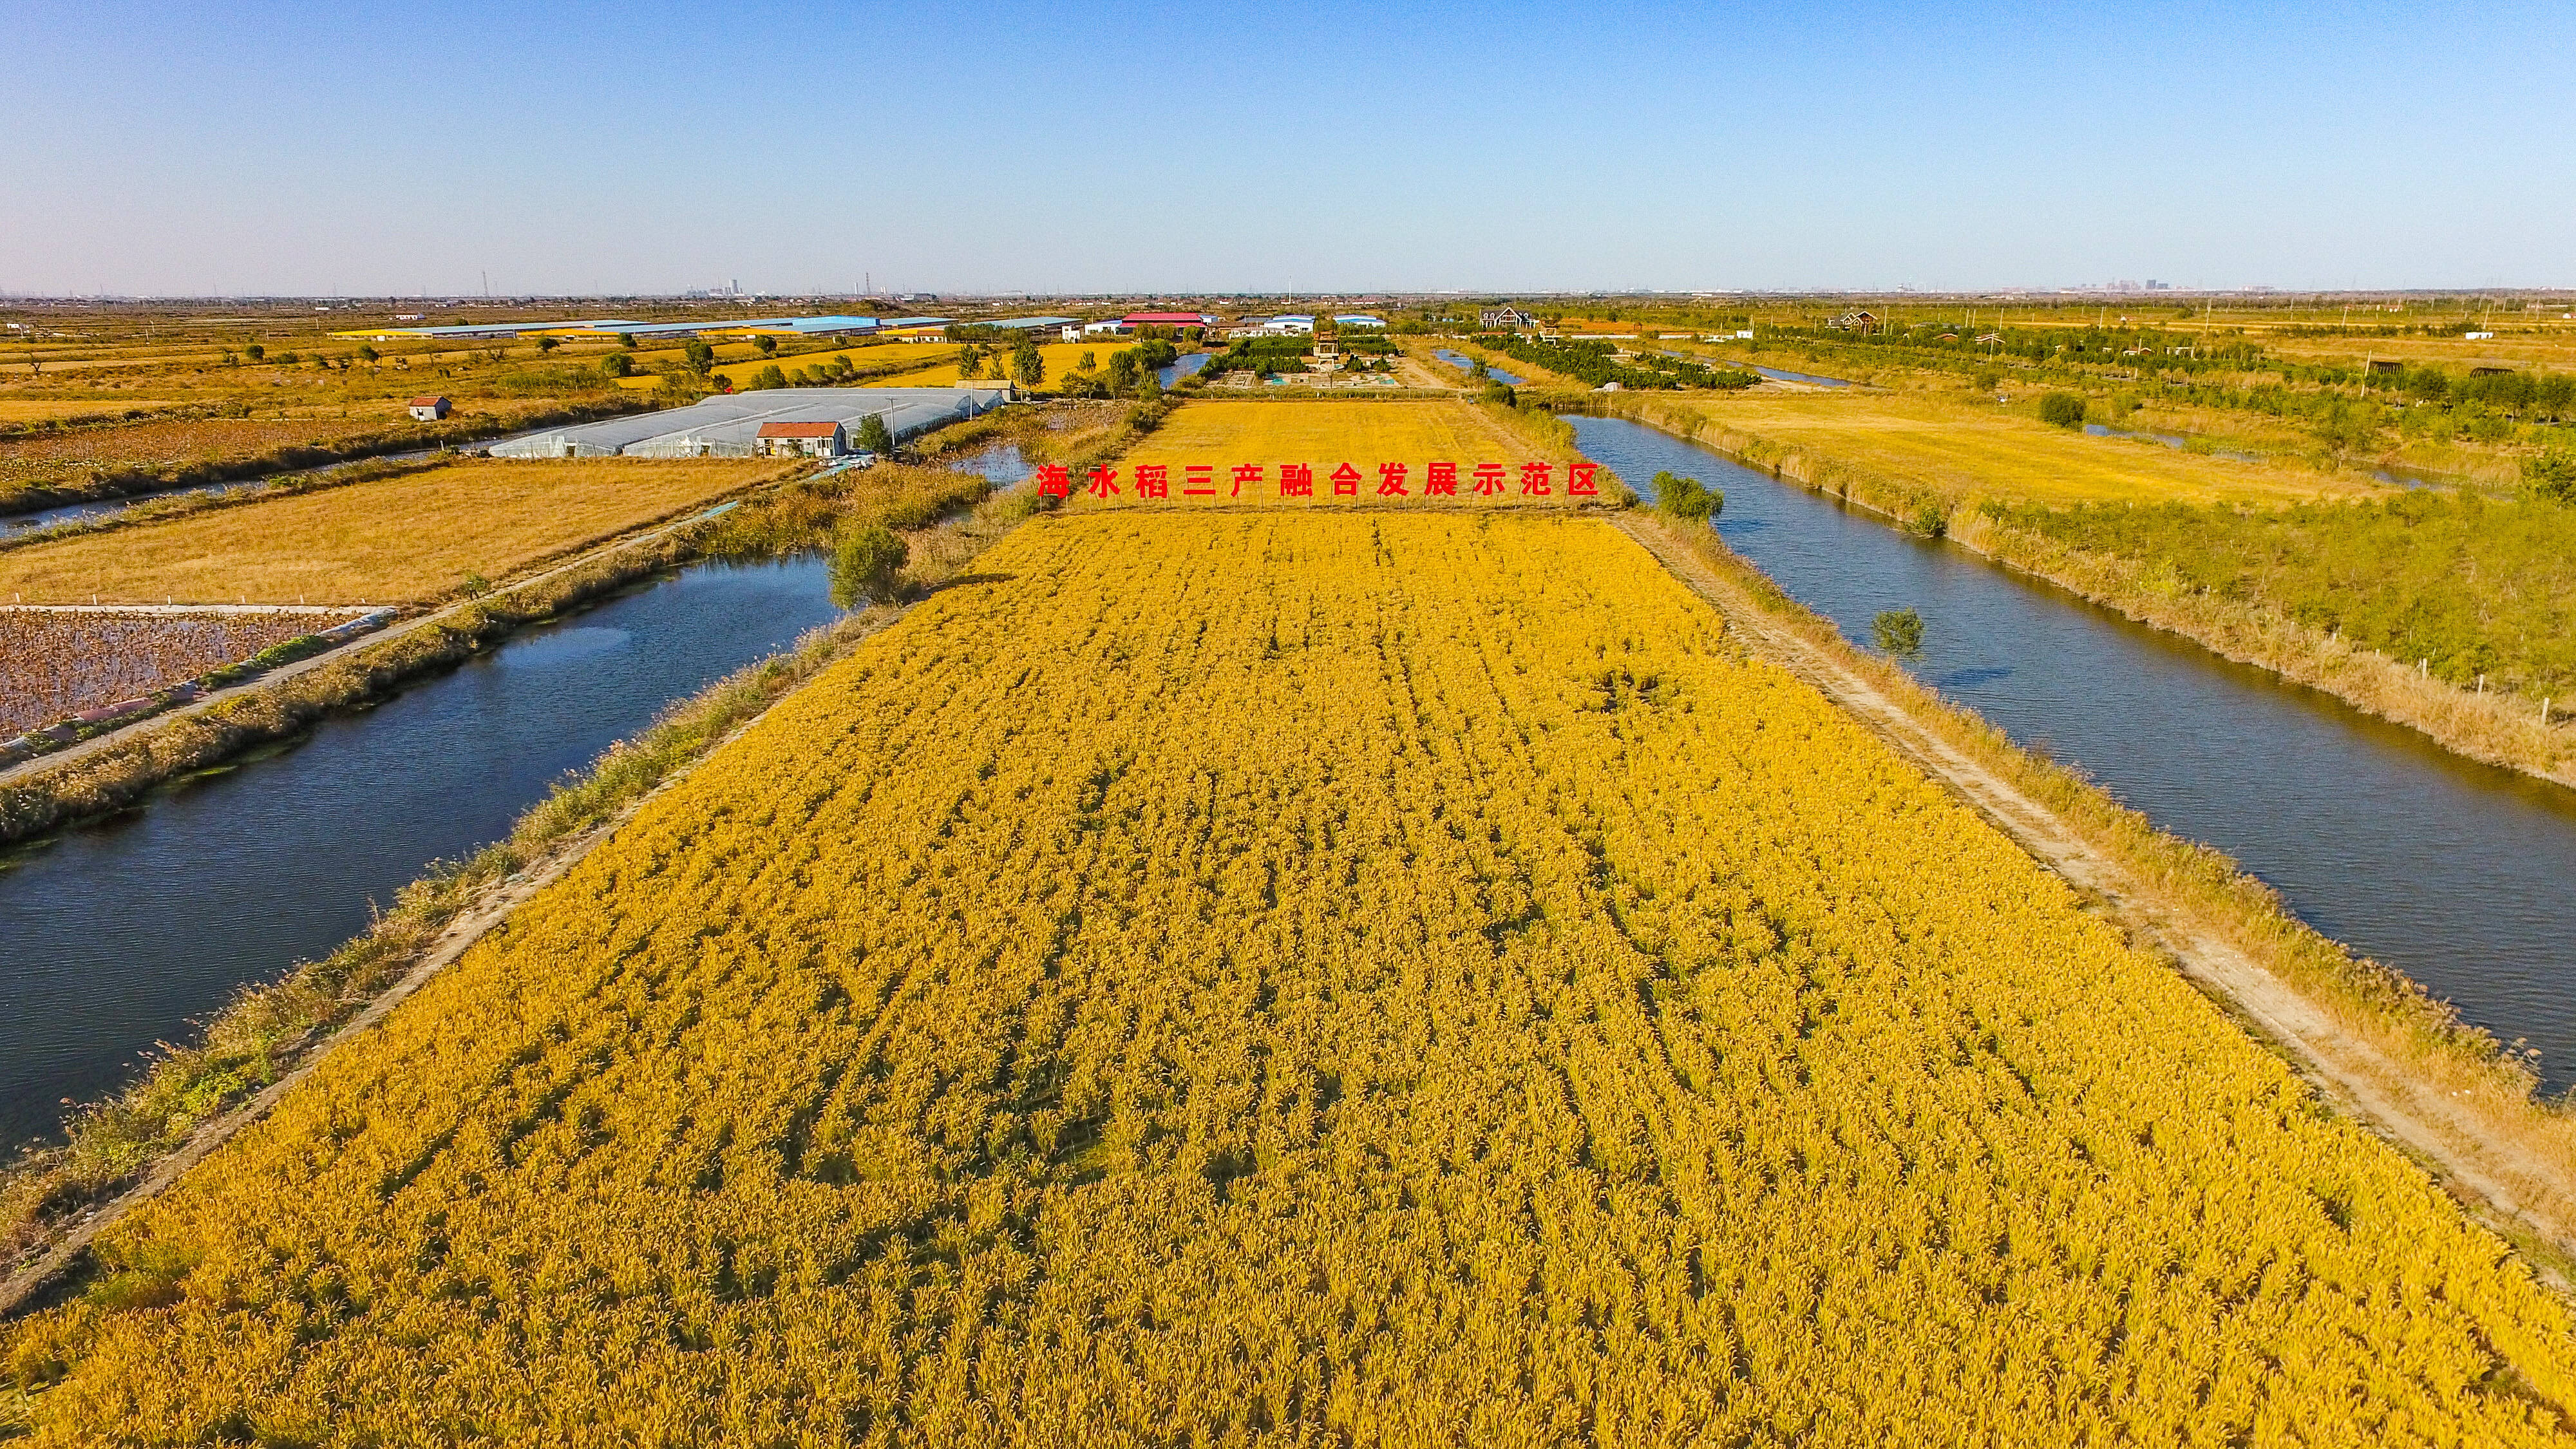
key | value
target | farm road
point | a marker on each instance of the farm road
(2516, 1187)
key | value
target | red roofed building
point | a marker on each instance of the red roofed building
(805, 440)
(428, 409)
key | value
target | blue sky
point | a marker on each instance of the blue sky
(364, 148)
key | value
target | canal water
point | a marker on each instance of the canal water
(1460, 359)
(132, 930)
(2453, 872)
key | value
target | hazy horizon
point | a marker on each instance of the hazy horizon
(296, 150)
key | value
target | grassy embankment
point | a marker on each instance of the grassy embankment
(268, 1028)
(1985, 479)
(1448, 984)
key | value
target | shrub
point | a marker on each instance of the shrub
(617, 364)
(1898, 631)
(875, 437)
(865, 562)
(1687, 498)
(2062, 409)
(2550, 476)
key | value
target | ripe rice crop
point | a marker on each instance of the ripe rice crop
(1061, 359)
(413, 536)
(1366, 977)
(55, 665)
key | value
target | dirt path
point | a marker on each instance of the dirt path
(2519, 1191)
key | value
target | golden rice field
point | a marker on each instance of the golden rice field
(1359, 978)
(1969, 452)
(1061, 359)
(1324, 436)
(880, 355)
(413, 536)
(56, 409)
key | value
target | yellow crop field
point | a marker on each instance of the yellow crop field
(412, 536)
(46, 410)
(861, 358)
(1324, 436)
(1973, 452)
(1060, 358)
(1355, 978)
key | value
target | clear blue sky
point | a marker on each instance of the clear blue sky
(358, 147)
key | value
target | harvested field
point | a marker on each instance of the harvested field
(16, 411)
(54, 664)
(414, 536)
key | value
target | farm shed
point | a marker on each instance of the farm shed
(430, 409)
(791, 439)
(729, 426)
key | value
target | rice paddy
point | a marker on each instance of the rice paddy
(414, 536)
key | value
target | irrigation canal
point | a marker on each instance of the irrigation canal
(128, 931)
(2454, 872)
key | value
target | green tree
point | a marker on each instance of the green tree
(2062, 409)
(367, 354)
(548, 344)
(767, 344)
(970, 363)
(1028, 365)
(626, 340)
(875, 437)
(254, 352)
(866, 560)
(701, 356)
(1122, 373)
(617, 364)
(771, 376)
(1898, 631)
(1086, 362)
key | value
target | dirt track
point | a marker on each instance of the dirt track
(2518, 1191)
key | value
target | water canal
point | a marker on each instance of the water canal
(2454, 872)
(131, 930)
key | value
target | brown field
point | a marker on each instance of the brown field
(416, 536)
(55, 665)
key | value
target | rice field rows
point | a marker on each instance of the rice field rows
(413, 536)
(1351, 978)
(54, 665)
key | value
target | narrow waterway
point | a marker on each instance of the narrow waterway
(134, 929)
(1462, 360)
(2453, 872)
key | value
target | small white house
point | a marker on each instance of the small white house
(802, 440)
(430, 409)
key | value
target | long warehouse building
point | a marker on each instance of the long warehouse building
(729, 426)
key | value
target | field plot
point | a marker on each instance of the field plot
(413, 536)
(1970, 452)
(49, 410)
(1061, 359)
(1325, 435)
(54, 665)
(57, 459)
(861, 358)
(1353, 978)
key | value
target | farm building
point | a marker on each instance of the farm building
(729, 426)
(430, 409)
(1358, 319)
(1503, 317)
(1166, 319)
(787, 439)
